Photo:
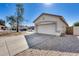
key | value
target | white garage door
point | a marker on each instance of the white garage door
(47, 29)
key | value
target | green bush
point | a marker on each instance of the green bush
(76, 24)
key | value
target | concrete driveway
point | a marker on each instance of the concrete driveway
(67, 43)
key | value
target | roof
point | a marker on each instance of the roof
(61, 17)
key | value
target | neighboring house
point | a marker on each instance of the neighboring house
(50, 24)
(31, 28)
(2, 27)
(21, 28)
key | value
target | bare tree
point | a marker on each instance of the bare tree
(12, 21)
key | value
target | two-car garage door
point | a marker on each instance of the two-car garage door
(46, 28)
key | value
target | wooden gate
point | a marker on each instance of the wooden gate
(69, 30)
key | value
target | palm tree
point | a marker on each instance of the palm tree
(2, 22)
(12, 21)
(20, 11)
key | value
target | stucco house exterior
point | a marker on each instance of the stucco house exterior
(50, 24)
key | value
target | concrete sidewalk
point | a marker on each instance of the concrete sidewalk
(12, 45)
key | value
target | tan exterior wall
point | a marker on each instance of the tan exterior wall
(76, 30)
(61, 26)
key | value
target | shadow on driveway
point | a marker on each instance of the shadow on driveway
(67, 43)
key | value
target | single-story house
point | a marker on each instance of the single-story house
(30, 28)
(50, 24)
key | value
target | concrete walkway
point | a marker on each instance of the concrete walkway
(49, 42)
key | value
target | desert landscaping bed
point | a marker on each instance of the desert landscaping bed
(67, 43)
(36, 52)
(9, 33)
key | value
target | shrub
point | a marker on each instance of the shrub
(76, 24)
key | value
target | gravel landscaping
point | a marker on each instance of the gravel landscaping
(36, 52)
(68, 43)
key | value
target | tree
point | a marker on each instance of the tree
(76, 24)
(12, 21)
(20, 11)
(2, 22)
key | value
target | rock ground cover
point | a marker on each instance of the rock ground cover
(37, 52)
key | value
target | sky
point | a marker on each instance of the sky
(70, 11)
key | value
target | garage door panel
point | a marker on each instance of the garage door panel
(47, 29)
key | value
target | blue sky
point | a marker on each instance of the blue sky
(70, 11)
